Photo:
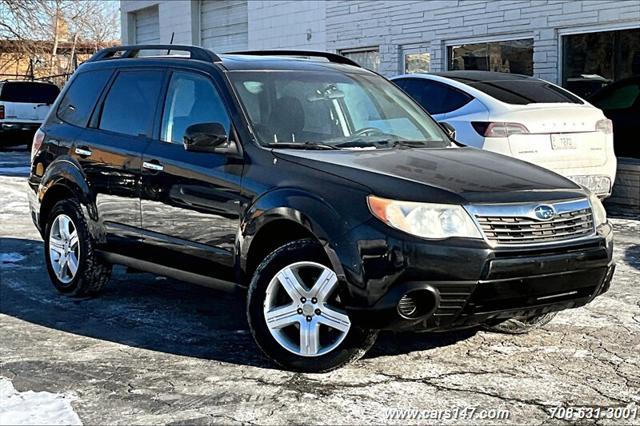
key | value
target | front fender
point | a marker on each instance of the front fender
(315, 214)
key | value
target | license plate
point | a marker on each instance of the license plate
(562, 142)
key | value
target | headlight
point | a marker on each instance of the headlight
(424, 220)
(599, 213)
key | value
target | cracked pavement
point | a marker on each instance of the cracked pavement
(155, 350)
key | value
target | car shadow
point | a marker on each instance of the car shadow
(150, 312)
(632, 256)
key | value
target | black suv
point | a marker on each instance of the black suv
(319, 186)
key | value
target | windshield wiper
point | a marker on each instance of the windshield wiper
(304, 145)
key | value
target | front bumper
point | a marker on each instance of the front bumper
(475, 284)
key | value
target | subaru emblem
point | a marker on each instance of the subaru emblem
(544, 212)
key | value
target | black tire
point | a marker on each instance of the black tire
(93, 272)
(521, 325)
(356, 343)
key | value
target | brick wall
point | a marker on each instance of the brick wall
(396, 25)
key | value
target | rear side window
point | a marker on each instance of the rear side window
(524, 92)
(131, 102)
(79, 100)
(435, 97)
(27, 92)
(621, 97)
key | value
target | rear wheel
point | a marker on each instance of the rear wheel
(521, 325)
(296, 314)
(73, 266)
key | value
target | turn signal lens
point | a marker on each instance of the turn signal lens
(38, 138)
(424, 220)
(605, 126)
(498, 130)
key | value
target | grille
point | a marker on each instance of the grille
(519, 230)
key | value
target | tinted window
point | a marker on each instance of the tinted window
(79, 100)
(523, 92)
(131, 102)
(512, 56)
(436, 98)
(191, 99)
(621, 97)
(27, 92)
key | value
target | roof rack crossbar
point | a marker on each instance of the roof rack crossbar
(331, 57)
(133, 51)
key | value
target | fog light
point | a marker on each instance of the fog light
(407, 306)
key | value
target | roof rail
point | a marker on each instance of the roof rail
(132, 51)
(332, 57)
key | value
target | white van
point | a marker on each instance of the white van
(23, 107)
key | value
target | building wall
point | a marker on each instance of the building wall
(396, 25)
(287, 24)
(178, 17)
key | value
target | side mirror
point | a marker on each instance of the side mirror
(449, 129)
(205, 137)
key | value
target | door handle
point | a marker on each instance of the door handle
(83, 151)
(152, 165)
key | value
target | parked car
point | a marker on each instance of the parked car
(524, 117)
(23, 107)
(620, 102)
(313, 183)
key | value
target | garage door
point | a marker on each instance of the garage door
(224, 25)
(147, 26)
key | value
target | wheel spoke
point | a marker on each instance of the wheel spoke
(334, 319)
(292, 286)
(309, 337)
(282, 316)
(63, 223)
(72, 263)
(73, 238)
(56, 245)
(324, 285)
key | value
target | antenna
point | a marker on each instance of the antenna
(173, 33)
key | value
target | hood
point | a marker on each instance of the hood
(449, 175)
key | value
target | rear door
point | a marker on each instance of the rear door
(191, 200)
(110, 151)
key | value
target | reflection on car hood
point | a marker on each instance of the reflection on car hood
(440, 175)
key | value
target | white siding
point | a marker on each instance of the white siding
(147, 25)
(224, 25)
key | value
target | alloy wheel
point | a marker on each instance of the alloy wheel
(302, 310)
(64, 248)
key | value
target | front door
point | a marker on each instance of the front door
(191, 200)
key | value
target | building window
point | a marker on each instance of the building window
(367, 58)
(417, 61)
(593, 60)
(514, 56)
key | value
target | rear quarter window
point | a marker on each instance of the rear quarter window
(524, 92)
(435, 97)
(28, 92)
(78, 101)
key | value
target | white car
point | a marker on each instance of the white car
(523, 117)
(23, 107)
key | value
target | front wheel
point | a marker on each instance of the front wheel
(296, 315)
(521, 325)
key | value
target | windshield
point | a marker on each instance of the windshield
(331, 110)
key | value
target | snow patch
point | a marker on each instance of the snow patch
(35, 408)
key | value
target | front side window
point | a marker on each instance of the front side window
(339, 110)
(131, 103)
(512, 56)
(78, 101)
(435, 97)
(191, 99)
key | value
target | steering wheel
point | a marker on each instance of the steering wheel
(367, 131)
